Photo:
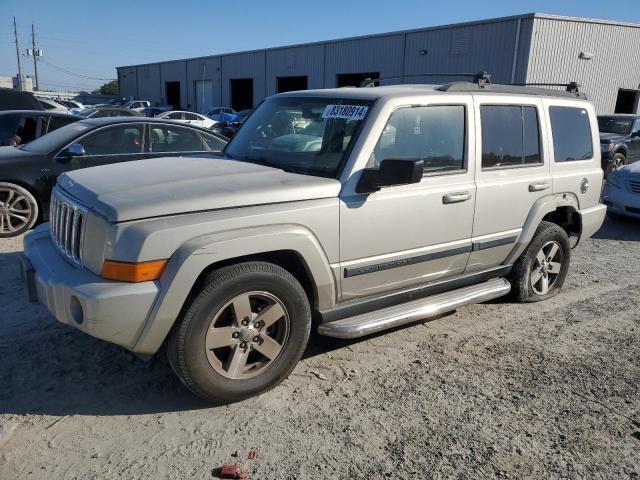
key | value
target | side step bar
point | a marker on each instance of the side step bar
(390, 317)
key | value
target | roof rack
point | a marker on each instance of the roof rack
(481, 85)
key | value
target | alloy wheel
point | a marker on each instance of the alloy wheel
(247, 335)
(16, 211)
(546, 268)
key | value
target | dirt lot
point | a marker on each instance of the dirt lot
(546, 390)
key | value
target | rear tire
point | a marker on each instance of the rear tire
(18, 210)
(242, 333)
(542, 268)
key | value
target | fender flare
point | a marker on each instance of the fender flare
(541, 207)
(195, 256)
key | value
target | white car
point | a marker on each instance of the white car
(190, 118)
(137, 104)
(49, 104)
(621, 193)
(215, 113)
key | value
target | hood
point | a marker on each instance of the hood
(630, 170)
(610, 137)
(168, 186)
(13, 153)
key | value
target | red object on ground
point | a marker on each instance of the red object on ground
(252, 455)
(232, 470)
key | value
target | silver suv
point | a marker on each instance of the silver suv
(347, 210)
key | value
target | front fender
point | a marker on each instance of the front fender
(195, 256)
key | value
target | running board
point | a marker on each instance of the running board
(424, 308)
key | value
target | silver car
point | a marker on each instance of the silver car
(622, 192)
(348, 210)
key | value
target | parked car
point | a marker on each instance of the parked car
(228, 129)
(28, 172)
(137, 104)
(189, 118)
(366, 209)
(52, 105)
(107, 111)
(11, 99)
(215, 113)
(621, 192)
(22, 126)
(157, 110)
(70, 104)
(619, 140)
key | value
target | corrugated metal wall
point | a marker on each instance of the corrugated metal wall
(382, 54)
(557, 44)
(295, 61)
(547, 51)
(467, 49)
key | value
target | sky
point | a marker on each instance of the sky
(84, 40)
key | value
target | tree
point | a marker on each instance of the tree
(109, 88)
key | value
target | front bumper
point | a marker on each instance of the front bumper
(111, 311)
(619, 200)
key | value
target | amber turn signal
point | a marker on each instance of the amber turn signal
(133, 272)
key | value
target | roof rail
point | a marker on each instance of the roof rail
(572, 89)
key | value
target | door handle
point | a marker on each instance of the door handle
(457, 197)
(538, 187)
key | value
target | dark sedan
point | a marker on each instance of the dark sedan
(29, 172)
(619, 140)
(23, 126)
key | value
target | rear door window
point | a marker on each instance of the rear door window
(60, 121)
(168, 139)
(116, 140)
(510, 136)
(571, 132)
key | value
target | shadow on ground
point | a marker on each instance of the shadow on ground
(627, 229)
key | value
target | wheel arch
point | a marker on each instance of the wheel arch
(561, 209)
(292, 247)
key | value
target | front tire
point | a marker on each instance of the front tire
(542, 268)
(18, 210)
(242, 333)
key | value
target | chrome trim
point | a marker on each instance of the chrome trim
(67, 226)
(372, 322)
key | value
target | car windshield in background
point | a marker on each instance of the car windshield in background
(56, 139)
(308, 135)
(86, 112)
(620, 126)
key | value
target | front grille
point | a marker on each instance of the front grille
(634, 186)
(66, 222)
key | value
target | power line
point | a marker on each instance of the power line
(68, 72)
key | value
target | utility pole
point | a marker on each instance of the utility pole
(35, 54)
(15, 32)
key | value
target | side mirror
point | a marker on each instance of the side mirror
(73, 150)
(391, 172)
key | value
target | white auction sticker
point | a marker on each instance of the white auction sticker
(348, 112)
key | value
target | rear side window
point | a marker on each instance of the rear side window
(510, 136)
(435, 134)
(168, 139)
(571, 131)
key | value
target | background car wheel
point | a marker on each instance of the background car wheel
(242, 333)
(18, 210)
(541, 270)
(618, 160)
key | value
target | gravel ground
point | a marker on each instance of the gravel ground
(547, 390)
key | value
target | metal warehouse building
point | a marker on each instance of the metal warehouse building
(602, 56)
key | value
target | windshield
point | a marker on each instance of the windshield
(56, 139)
(308, 135)
(618, 125)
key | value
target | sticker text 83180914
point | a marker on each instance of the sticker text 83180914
(348, 112)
